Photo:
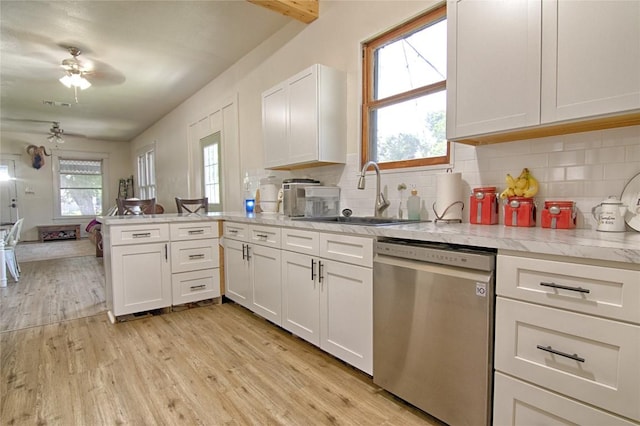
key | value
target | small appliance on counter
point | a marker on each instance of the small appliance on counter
(322, 201)
(269, 187)
(293, 195)
(448, 205)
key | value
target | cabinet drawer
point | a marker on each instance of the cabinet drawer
(139, 234)
(196, 285)
(236, 231)
(299, 241)
(592, 359)
(604, 291)
(265, 235)
(347, 248)
(193, 230)
(518, 403)
(194, 255)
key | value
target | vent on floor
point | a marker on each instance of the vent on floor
(57, 104)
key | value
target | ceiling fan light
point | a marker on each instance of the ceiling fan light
(84, 83)
(66, 80)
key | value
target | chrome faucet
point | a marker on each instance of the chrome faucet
(381, 202)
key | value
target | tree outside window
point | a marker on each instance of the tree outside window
(80, 185)
(404, 94)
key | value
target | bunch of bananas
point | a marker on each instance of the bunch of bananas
(524, 185)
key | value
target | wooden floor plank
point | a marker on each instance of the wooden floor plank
(218, 364)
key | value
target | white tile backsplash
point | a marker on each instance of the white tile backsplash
(582, 167)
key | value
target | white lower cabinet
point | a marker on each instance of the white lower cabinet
(567, 342)
(195, 262)
(252, 268)
(327, 302)
(156, 265)
(519, 403)
(137, 268)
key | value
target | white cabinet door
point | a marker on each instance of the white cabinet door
(274, 126)
(237, 273)
(300, 296)
(303, 117)
(141, 278)
(266, 277)
(591, 58)
(346, 312)
(493, 75)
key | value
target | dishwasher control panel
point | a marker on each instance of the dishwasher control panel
(441, 253)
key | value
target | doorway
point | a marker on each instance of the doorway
(211, 166)
(8, 193)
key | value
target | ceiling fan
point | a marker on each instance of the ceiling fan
(55, 133)
(75, 71)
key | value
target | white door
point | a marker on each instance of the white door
(300, 292)
(266, 297)
(237, 273)
(346, 313)
(8, 192)
(303, 117)
(274, 126)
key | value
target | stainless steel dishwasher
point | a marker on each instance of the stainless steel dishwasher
(433, 321)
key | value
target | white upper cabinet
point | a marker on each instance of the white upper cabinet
(590, 58)
(493, 78)
(529, 68)
(304, 119)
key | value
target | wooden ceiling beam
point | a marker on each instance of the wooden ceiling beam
(302, 10)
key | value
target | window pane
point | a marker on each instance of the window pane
(80, 181)
(410, 130)
(80, 202)
(415, 61)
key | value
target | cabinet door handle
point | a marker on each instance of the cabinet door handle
(196, 256)
(248, 257)
(243, 255)
(574, 357)
(564, 287)
(198, 287)
(196, 232)
(320, 277)
(142, 235)
(313, 269)
(166, 251)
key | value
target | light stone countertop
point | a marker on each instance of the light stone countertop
(581, 243)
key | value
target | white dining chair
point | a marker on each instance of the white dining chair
(10, 242)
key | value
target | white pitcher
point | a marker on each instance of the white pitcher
(609, 215)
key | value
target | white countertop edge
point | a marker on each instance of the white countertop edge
(581, 243)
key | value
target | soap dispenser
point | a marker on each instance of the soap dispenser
(413, 205)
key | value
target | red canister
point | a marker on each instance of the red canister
(520, 211)
(559, 215)
(483, 206)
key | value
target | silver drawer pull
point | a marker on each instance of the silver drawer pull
(198, 287)
(196, 232)
(142, 235)
(574, 357)
(564, 287)
(196, 256)
(232, 231)
(264, 236)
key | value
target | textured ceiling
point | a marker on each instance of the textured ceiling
(148, 57)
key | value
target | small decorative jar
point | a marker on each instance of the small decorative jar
(559, 215)
(483, 206)
(520, 211)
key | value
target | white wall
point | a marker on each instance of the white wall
(35, 187)
(584, 167)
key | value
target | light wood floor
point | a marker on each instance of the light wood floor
(213, 365)
(50, 291)
(208, 365)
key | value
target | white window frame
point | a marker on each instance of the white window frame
(146, 172)
(205, 142)
(78, 155)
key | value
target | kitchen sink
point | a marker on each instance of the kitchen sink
(357, 220)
